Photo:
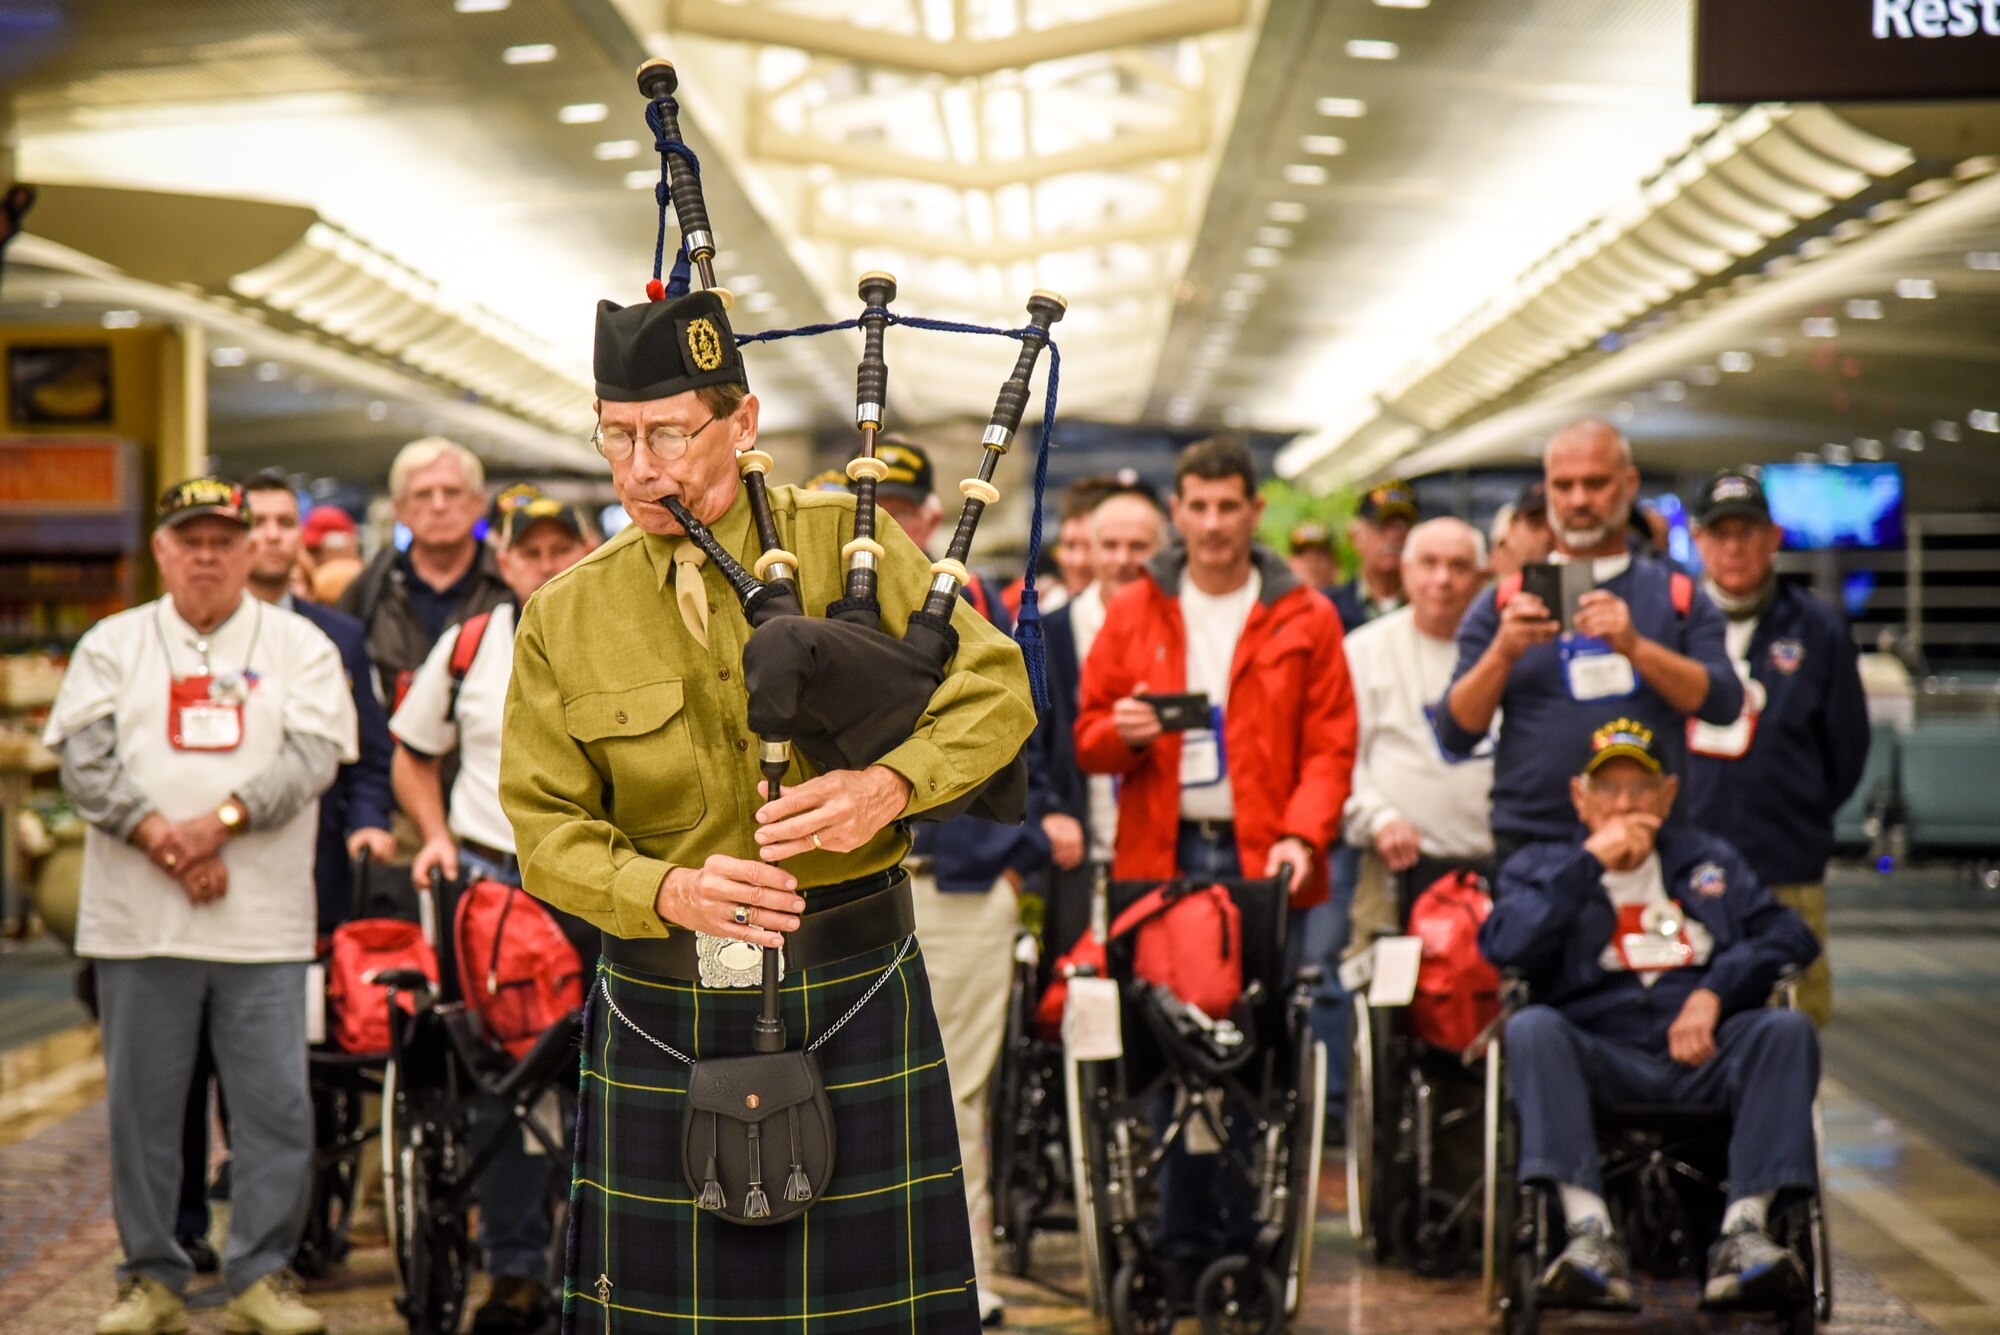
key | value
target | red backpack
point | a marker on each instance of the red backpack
(363, 950)
(517, 970)
(1458, 992)
(1190, 942)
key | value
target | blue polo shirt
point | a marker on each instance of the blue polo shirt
(1545, 730)
(1777, 801)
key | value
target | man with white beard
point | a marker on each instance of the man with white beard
(1645, 643)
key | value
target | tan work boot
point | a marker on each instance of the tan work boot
(271, 1306)
(144, 1307)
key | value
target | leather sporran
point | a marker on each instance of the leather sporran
(757, 1141)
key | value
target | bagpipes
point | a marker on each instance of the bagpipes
(842, 688)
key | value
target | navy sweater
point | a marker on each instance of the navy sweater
(1545, 733)
(1777, 802)
(1552, 919)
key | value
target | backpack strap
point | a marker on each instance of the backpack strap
(470, 633)
(1680, 588)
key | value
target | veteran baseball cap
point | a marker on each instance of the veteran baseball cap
(526, 512)
(328, 527)
(910, 474)
(1622, 739)
(1732, 492)
(658, 349)
(199, 496)
(1310, 534)
(1389, 500)
(827, 479)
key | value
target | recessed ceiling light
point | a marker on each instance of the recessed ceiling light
(1670, 391)
(1274, 236)
(1864, 308)
(1820, 326)
(270, 372)
(1403, 4)
(529, 53)
(1362, 48)
(1324, 145)
(616, 150)
(377, 410)
(120, 319)
(1736, 363)
(583, 113)
(1263, 257)
(1906, 439)
(1773, 346)
(1868, 448)
(1983, 259)
(480, 6)
(1238, 301)
(1836, 452)
(1249, 282)
(1285, 211)
(1984, 419)
(1945, 429)
(227, 357)
(52, 299)
(644, 179)
(1916, 289)
(1348, 108)
(1305, 173)
(1706, 376)
(759, 302)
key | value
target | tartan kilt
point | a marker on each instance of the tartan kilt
(886, 1247)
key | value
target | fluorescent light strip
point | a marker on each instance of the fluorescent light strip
(1346, 108)
(1370, 49)
(530, 53)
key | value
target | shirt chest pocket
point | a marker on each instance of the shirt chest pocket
(640, 739)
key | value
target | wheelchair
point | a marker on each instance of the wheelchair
(438, 1066)
(1665, 1171)
(1032, 1185)
(1415, 1159)
(1253, 1086)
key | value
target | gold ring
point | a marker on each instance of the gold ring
(171, 861)
(816, 842)
(742, 915)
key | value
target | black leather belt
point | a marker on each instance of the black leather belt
(840, 922)
(499, 857)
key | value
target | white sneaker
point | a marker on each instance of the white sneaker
(271, 1306)
(144, 1307)
(992, 1311)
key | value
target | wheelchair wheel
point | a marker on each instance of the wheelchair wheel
(1308, 1134)
(1142, 1301)
(336, 1174)
(1361, 1125)
(1800, 1225)
(1435, 1232)
(1083, 1087)
(422, 1154)
(1236, 1296)
(1007, 1128)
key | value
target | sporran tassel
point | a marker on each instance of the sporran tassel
(756, 1205)
(798, 1187)
(711, 1186)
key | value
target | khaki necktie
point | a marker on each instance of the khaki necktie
(688, 590)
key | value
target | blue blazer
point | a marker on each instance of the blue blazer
(1552, 919)
(360, 798)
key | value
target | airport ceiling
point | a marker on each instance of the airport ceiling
(1322, 217)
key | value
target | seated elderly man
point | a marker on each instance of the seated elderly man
(1651, 954)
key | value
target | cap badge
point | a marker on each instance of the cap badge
(1709, 880)
(704, 344)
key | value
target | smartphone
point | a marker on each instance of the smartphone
(1179, 713)
(1560, 587)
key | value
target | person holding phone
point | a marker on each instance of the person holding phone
(1633, 634)
(1256, 784)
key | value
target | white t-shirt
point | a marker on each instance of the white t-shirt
(1399, 673)
(1086, 618)
(1214, 625)
(122, 670)
(474, 810)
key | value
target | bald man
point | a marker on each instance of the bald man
(1645, 644)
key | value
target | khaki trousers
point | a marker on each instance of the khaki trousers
(1816, 988)
(968, 943)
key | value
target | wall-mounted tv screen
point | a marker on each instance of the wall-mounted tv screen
(1836, 505)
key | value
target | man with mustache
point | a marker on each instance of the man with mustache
(1645, 642)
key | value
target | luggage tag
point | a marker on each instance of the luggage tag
(1203, 764)
(1652, 938)
(1731, 741)
(1594, 670)
(1091, 1031)
(205, 712)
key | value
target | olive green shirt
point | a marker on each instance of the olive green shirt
(627, 749)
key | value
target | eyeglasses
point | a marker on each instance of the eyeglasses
(1639, 790)
(667, 443)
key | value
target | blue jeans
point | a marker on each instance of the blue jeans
(1765, 1071)
(1328, 929)
(513, 1190)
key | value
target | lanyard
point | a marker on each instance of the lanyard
(200, 645)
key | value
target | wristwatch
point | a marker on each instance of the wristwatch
(233, 816)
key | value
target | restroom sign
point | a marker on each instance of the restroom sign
(1846, 50)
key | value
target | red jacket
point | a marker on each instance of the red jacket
(1288, 724)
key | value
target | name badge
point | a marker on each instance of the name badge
(1731, 741)
(1652, 938)
(205, 713)
(1597, 673)
(1202, 761)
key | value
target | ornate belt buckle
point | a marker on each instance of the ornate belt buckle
(724, 961)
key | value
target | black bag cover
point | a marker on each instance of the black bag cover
(847, 695)
(757, 1143)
